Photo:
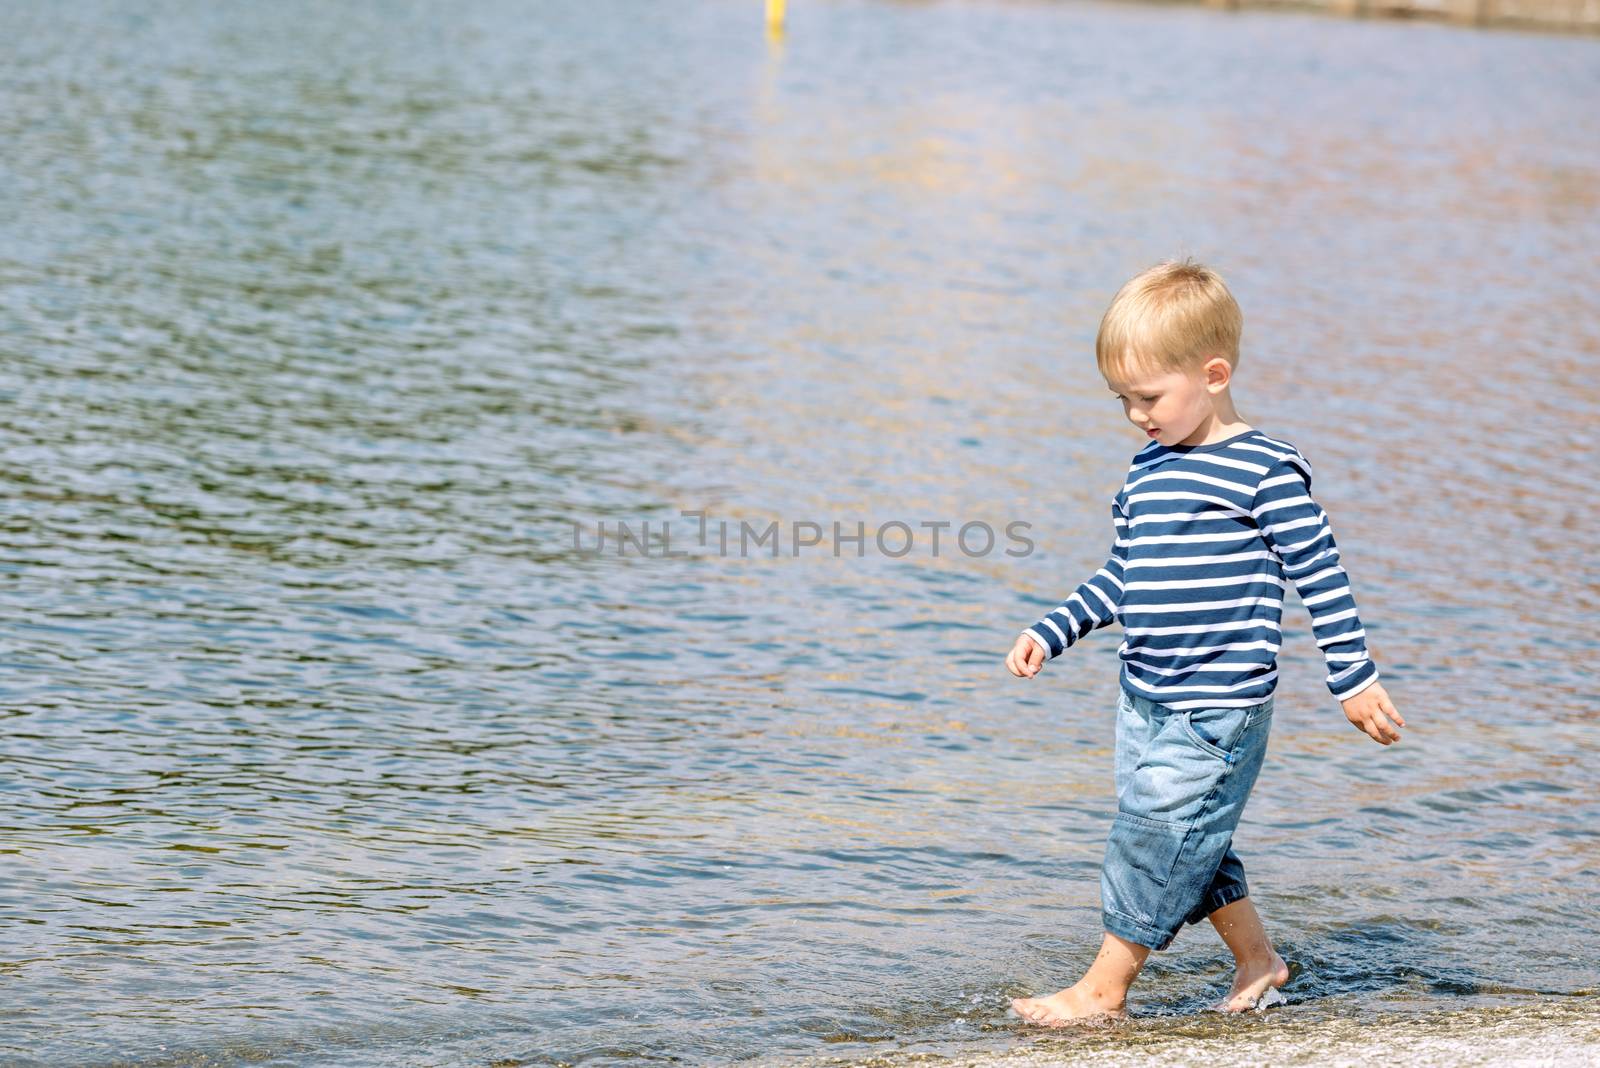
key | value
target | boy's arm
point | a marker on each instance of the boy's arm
(1296, 528)
(1094, 603)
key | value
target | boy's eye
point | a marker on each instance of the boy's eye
(1148, 400)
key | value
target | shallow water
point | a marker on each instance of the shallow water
(326, 328)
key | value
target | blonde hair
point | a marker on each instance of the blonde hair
(1170, 317)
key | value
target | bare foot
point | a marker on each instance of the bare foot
(1256, 983)
(1065, 1006)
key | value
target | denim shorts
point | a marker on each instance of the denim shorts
(1183, 777)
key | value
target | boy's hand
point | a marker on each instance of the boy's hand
(1026, 658)
(1370, 710)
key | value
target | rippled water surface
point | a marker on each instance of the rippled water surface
(326, 328)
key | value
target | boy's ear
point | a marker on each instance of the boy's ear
(1218, 371)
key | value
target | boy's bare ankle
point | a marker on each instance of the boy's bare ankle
(1258, 961)
(1108, 998)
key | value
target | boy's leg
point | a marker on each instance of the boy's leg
(1104, 987)
(1259, 968)
(1175, 821)
(1103, 990)
(1226, 902)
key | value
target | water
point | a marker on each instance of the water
(325, 326)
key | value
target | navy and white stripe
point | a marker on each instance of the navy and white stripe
(1208, 539)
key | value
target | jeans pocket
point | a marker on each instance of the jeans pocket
(1215, 730)
(1145, 848)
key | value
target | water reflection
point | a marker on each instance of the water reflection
(325, 326)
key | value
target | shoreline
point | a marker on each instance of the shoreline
(1581, 17)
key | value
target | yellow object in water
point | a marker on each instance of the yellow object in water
(775, 10)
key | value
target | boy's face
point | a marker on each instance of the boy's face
(1172, 406)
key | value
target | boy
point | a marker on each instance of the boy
(1211, 521)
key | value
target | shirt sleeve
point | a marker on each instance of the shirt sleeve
(1297, 531)
(1094, 603)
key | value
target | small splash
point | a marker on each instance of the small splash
(1271, 997)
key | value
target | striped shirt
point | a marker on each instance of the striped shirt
(1206, 536)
